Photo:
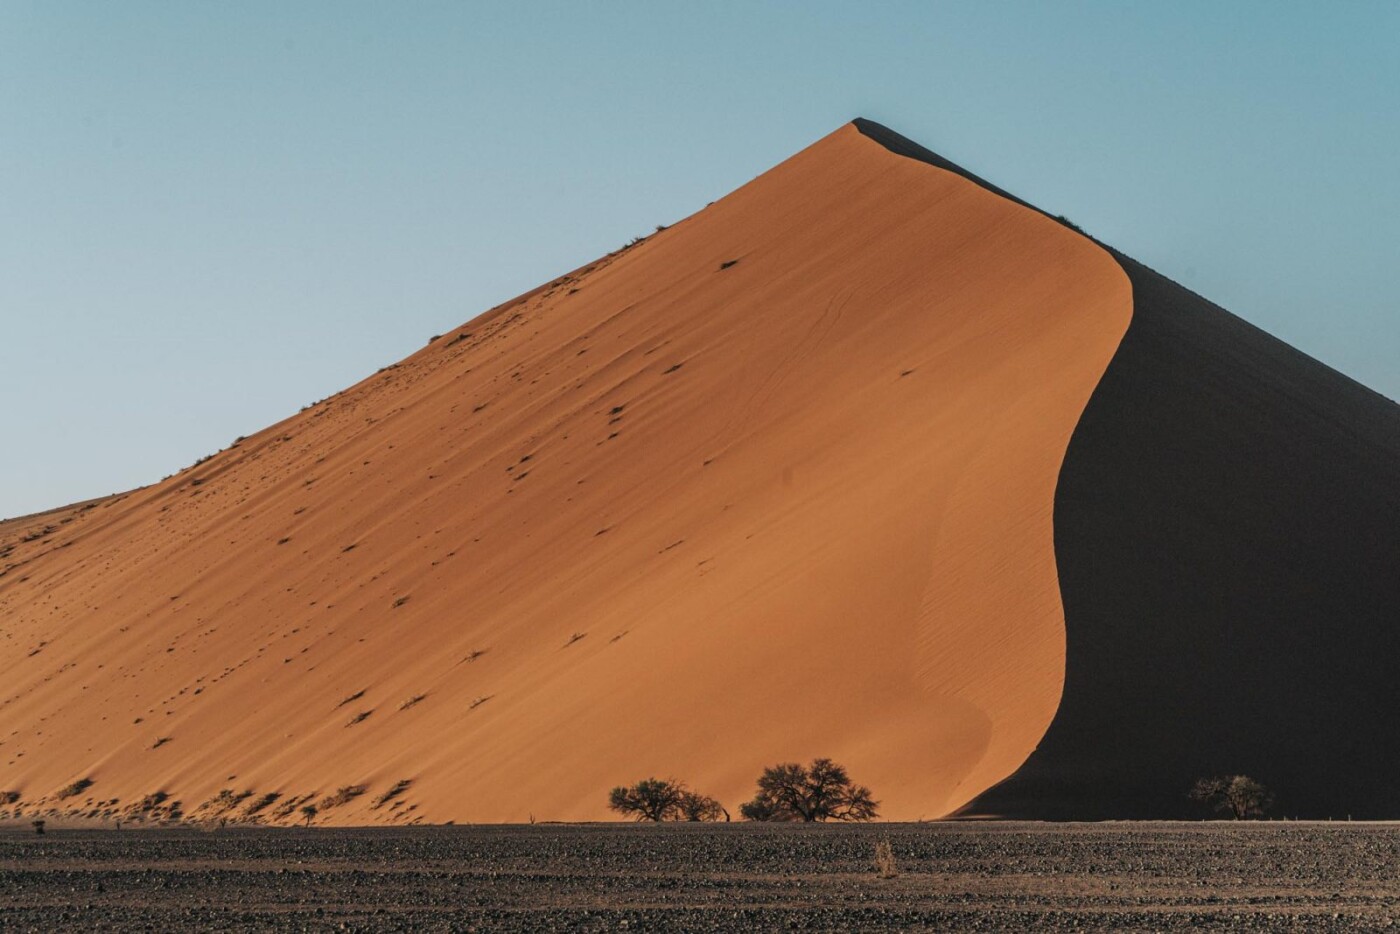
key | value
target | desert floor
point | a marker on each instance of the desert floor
(1008, 876)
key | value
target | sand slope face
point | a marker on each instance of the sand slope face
(1228, 532)
(775, 483)
(1227, 528)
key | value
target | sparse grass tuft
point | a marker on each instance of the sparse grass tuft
(885, 866)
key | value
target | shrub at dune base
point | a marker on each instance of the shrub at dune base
(657, 799)
(1238, 795)
(819, 792)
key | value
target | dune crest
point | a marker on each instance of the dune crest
(776, 482)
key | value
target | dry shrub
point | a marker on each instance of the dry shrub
(885, 866)
(343, 795)
(399, 788)
(77, 788)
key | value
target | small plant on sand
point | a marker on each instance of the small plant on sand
(342, 796)
(398, 789)
(226, 800)
(1238, 795)
(76, 788)
(9, 797)
(657, 799)
(819, 792)
(261, 804)
(38, 826)
(885, 866)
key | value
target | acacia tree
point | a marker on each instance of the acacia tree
(1239, 795)
(657, 799)
(819, 792)
(651, 799)
(693, 806)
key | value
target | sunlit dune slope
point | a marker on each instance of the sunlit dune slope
(775, 483)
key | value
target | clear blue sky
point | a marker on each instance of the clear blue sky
(212, 214)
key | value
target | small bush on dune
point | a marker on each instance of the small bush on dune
(262, 804)
(77, 788)
(398, 789)
(342, 796)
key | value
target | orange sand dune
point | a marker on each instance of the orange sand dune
(695, 518)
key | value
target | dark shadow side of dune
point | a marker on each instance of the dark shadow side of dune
(1227, 535)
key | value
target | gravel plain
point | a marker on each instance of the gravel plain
(725, 877)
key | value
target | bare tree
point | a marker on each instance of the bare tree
(819, 792)
(1239, 795)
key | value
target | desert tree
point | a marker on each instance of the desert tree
(819, 792)
(693, 806)
(1238, 795)
(652, 799)
(309, 811)
(656, 799)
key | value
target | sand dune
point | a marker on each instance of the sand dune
(805, 474)
(776, 482)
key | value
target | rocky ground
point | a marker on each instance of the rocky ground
(992, 876)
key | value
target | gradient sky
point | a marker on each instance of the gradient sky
(212, 214)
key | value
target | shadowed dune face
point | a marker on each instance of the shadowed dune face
(1227, 529)
(775, 483)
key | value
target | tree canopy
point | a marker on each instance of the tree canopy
(818, 792)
